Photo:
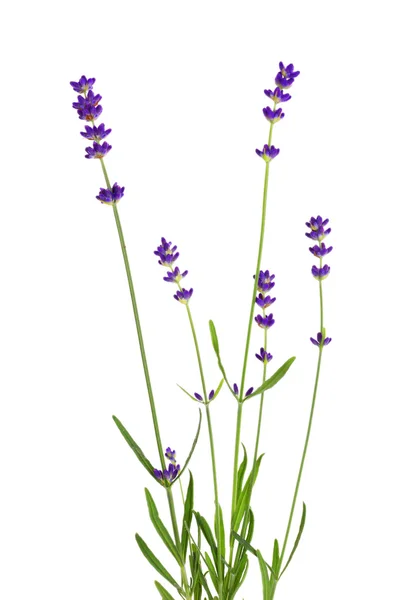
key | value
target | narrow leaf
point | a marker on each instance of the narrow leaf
(206, 530)
(273, 380)
(244, 497)
(240, 575)
(211, 569)
(196, 438)
(217, 391)
(241, 472)
(264, 577)
(153, 560)
(187, 393)
(296, 543)
(250, 529)
(160, 527)
(275, 556)
(220, 533)
(214, 337)
(133, 445)
(165, 595)
(187, 516)
(250, 548)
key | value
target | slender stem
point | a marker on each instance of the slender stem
(310, 421)
(148, 381)
(212, 447)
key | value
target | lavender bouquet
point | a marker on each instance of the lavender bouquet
(213, 555)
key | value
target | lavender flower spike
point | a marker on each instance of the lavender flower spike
(184, 295)
(319, 342)
(320, 273)
(168, 475)
(264, 356)
(98, 150)
(111, 196)
(268, 153)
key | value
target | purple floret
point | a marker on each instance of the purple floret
(167, 253)
(273, 115)
(265, 283)
(198, 397)
(264, 322)
(264, 356)
(211, 395)
(98, 150)
(320, 273)
(317, 226)
(95, 133)
(83, 85)
(288, 71)
(264, 302)
(90, 113)
(319, 342)
(320, 251)
(175, 276)
(111, 196)
(249, 391)
(277, 95)
(171, 455)
(168, 475)
(235, 389)
(184, 295)
(268, 153)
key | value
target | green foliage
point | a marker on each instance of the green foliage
(296, 543)
(196, 439)
(161, 529)
(133, 445)
(165, 595)
(244, 498)
(153, 560)
(273, 380)
(266, 584)
(187, 516)
(215, 343)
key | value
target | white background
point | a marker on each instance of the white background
(182, 86)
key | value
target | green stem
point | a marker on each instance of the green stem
(212, 447)
(148, 381)
(310, 421)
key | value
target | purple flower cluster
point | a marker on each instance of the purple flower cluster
(236, 391)
(89, 109)
(318, 232)
(168, 475)
(263, 300)
(200, 398)
(167, 256)
(284, 80)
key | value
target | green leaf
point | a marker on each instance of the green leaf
(275, 556)
(161, 529)
(133, 445)
(220, 534)
(296, 543)
(240, 575)
(215, 343)
(241, 472)
(250, 549)
(187, 393)
(217, 391)
(264, 576)
(165, 595)
(196, 438)
(273, 380)
(187, 516)
(244, 497)
(206, 530)
(153, 560)
(250, 529)
(211, 569)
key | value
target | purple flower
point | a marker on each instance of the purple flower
(268, 153)
(167, 253)
(277, 95)
(288, 71)
(320, 273)
(235, 389)
(264, 356)
(265, 283)
(90, 113)
(319, 342)
(83, 85)
(168, 475)
(320, 251)
(264, 302)
(317, 226)
(198, 397)
(98, 150)
(112, 196)
(95, 133)
(175, 276)
(264, 322)
(211, 395)
(184, 295)
(171, 455)
(87, 101)
(249, 391)
(273, 115)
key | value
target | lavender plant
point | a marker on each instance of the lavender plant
(212, 559)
